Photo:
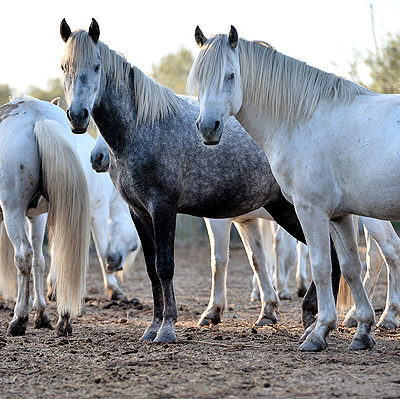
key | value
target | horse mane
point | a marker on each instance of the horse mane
(153, 102)
(286, 89)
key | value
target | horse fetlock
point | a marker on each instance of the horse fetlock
(211, 316)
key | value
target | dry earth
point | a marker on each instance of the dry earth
(104, 357)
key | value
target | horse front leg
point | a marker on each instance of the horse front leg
(14, 222)
(250, 234)
(37, 226)
(144, 227)
(164, 221)
(344, 237)
(219, 235)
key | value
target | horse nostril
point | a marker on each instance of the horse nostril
(68, 115)
(100, 157)
(85, 113)
(216, 126)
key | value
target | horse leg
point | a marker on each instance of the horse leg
(344, 236)
(37, 226)
(100, 237)
(285, 215)
(164, 221)
(14, 221)
(286, 258)
(301, 269)
(388, 243)
(145, 231)
(219, 235)
(374, 264)
(252, 239)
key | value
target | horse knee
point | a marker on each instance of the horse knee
(219, 264)
(23, 260)
(391, 253)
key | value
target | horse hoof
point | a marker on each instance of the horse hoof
(203, 322)
(43, 321)
(265, 321)
(313, 344)
(387, 325)
(350, 322)
(308, 320)
(148, 336)
(17, 327)
(115, 295)
(359, 344)
(301, 292)
(255, 297)
(285, 295)
(64, 329)
(166, 338)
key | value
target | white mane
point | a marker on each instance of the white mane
(153, 102)
(287, 89)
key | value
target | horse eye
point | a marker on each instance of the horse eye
(231, 76)
(97, 68)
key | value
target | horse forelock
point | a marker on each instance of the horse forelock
(153, 101)
(284, 88)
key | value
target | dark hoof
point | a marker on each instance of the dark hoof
(308, 319)
(43, 321)
(167, 338)
(359, 344)
(51, 295)
(115, 295)
(265, 321)
(203, 322)
(301, 292)
(313, 344)
(350, 322)
(285, 296)
(387, 325)
(64, 328)
(17, 327)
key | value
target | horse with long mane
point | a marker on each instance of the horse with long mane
(329, 141)
(40, 173)
(159, 164)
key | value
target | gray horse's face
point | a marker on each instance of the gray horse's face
(221, 98)
(81, 85)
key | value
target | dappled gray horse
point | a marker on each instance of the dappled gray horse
(158, 162)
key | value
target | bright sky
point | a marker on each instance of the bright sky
(323, 33)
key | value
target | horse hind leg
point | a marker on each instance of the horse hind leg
(37, 225)
(14, 221)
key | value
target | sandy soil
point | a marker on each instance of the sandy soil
(104, 357)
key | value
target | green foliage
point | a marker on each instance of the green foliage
(173, 70)
(383, 65)
(54, 89)
(5, 93)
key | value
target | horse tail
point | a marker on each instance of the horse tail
(69, 215)
(8, 271)
(344, 298)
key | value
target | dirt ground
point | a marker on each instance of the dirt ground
(104, 358)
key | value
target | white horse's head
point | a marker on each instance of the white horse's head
(123, 239)
(100, 155)
(216, 75)
(81, 66)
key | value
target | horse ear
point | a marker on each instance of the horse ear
(199, 37)
(94, 30)
(65, 30)
(233, 38)
(56, 101)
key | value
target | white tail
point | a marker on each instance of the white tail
(8, 271)
(69, 214)
(344, 298)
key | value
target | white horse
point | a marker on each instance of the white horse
(40, 173)
(329, 141)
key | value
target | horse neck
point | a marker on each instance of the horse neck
(115, 113)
